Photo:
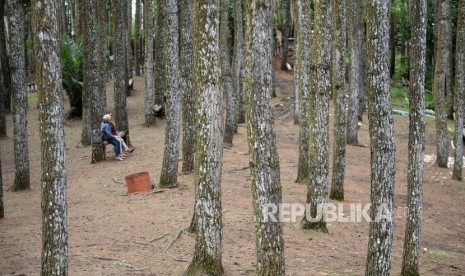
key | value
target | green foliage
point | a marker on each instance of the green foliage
(72, 62)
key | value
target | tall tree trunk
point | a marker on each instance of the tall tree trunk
(137, 53)
(149, 35)
(16, 25)
(381, 139)
(439, 84)
(238, 64)
(286, 33)
(128, 38)
(160, 42)
(320, 89)
(263, 154)
(52, 136)
(207, 258)
(304, 61)
(91, 79)
(78, 18)
(338, 90)
(6, 95)
(392, 41)
(416, 143)
(356, 30)
(186, 63)
(169, 171)
(120, 66)
(297, 61)
(90, 72)
(102, 19)
(228, 88)
(459, 91)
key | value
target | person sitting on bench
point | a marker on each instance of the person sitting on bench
(105, 128)
(119, 135)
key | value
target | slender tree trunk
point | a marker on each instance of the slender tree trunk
(149, 35)
(304, 62)
(416, 144)
(263, 154)
(320, 89)
(297, 61)
(169, 171)
(186, 63)
(6, 95)
(340, 110)
(356, 30)
(2, 209)
(160, 42)
(439, 84)
(238, 64)
(381, 140)
(2, 108)
(18, 79)
(286, 33)
(392, 41)
(228, 88)
(459, 91)
(137, 53)
(207, 258)
(120, 66)
(52, 136)
(78, 18)
(102, 14)
(128, 39)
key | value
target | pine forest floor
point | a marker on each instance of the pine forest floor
(115, 233)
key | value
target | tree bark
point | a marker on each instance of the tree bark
(2, 208)
(459, 91)
(120, 66)
(381, 140)
(160, 42)
(297, 61)
(228, 88)
(102, 18)
(338, 91)
(263, 154)
(416, 143)
(286, 33)
(238, 64)
(18, 89)
(92, 90)
(137, 53)
(320, 89)
(2, 108)
(149, 35)
(128, 39)
(52, 136)
(169, 171)
(77, 18)
(439, 84)
(207, 258)
(6, 95)
(356, 30)
(304, 61)
(186, 63)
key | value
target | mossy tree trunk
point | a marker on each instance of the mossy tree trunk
(169, 170)
(120, 66)
(186, 63)
(304, 57)
(440, 79)
(16, 15)
(207, 258)
(340, 105)
(149, 36)
(52, 137)
(379, 255)
(459, 91)
(228, 88)
(320, 89)
(263, 154)
(356, 30)
(416, 144)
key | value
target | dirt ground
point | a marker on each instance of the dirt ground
(115, 233)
